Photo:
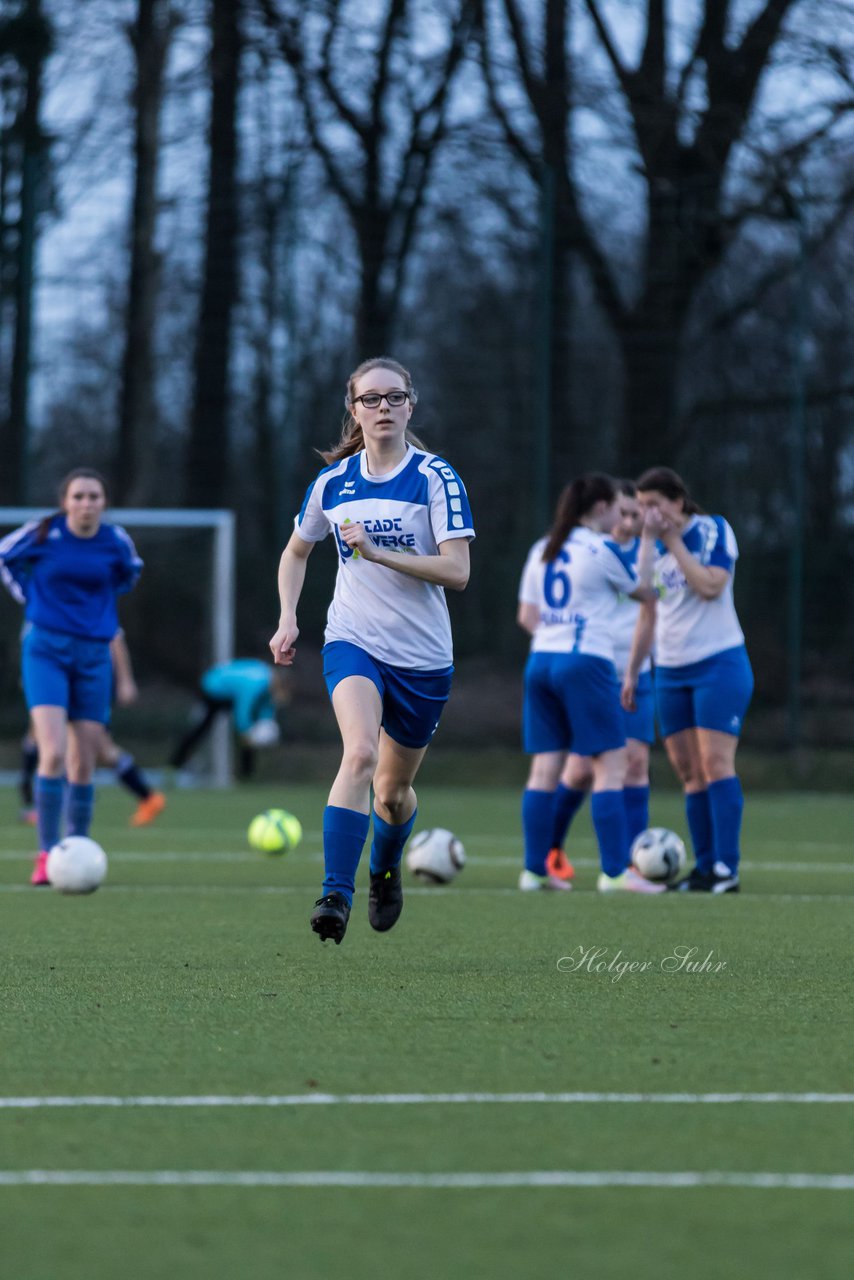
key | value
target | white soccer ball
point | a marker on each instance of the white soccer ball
(436, 856)
(659, 855)
(263, 733)
(76, 865)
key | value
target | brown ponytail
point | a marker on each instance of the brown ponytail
(577, 499)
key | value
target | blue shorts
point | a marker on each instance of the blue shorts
(59, 670)
(572, 703)
(711, 694)
(640, 724)
(413, 701)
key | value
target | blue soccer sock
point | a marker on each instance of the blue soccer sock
(344, 834)
(608, 811)
(726, 802)
(50, 797)
(699, 814)
(567, 802)
(537, 817)
(81, 805)
(636, 800)
(387, 844)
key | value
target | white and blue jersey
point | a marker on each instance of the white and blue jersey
(626, 617)
(69, 584)
(411, 510)
(578, 594)
(689, 628)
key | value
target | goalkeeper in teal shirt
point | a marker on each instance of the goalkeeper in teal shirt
(249, 691)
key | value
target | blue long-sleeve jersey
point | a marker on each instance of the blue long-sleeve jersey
(66, 583)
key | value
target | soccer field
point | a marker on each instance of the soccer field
(506, 1085)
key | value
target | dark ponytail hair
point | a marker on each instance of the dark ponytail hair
(667, 482)
(577, 499)
(79, 473)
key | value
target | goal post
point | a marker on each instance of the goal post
(221, 523)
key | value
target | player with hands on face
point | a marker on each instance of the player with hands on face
(703, 677)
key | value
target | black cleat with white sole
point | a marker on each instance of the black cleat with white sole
(329, 917)
(385, 901)
(719, 880)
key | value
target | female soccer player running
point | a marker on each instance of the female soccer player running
(703, 678)
(569, 599)
(577, 776)
(402, 526)
(67, 571)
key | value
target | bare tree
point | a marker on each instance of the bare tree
(390, 102)
(134, 477)
(25, 45)
(207, 468)
(686, 122)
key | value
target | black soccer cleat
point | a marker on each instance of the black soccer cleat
(385, 900)
(719, 880)
(329, 917)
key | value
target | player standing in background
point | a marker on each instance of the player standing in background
(67, 571)
(703, 678)
(569, 599)
(577, 776)
(402, 526)
(110, 754)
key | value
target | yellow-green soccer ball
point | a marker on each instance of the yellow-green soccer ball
(275, 831)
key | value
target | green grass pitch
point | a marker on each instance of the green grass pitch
(193, 972)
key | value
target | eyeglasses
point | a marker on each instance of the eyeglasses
(373, 399)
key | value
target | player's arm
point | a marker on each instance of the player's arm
(129, 565)
(641, 648)
(450, 568)
(16, 552)
(708, 580)
(126, 688)
(291, 578)
(528, 616)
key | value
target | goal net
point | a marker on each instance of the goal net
(178, 621)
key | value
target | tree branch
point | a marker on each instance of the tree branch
(284, 32)
(345, 111)
(622, 74)
(732, 76)
(533, 83)
(512, 137)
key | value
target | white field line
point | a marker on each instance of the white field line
(248, 856)
(436, 1181)
(481, 840)
(36, 1101)
(503, 841)
(435, 892)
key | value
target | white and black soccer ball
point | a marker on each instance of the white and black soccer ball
(659, 855)
(435, 856)
(76, 865)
